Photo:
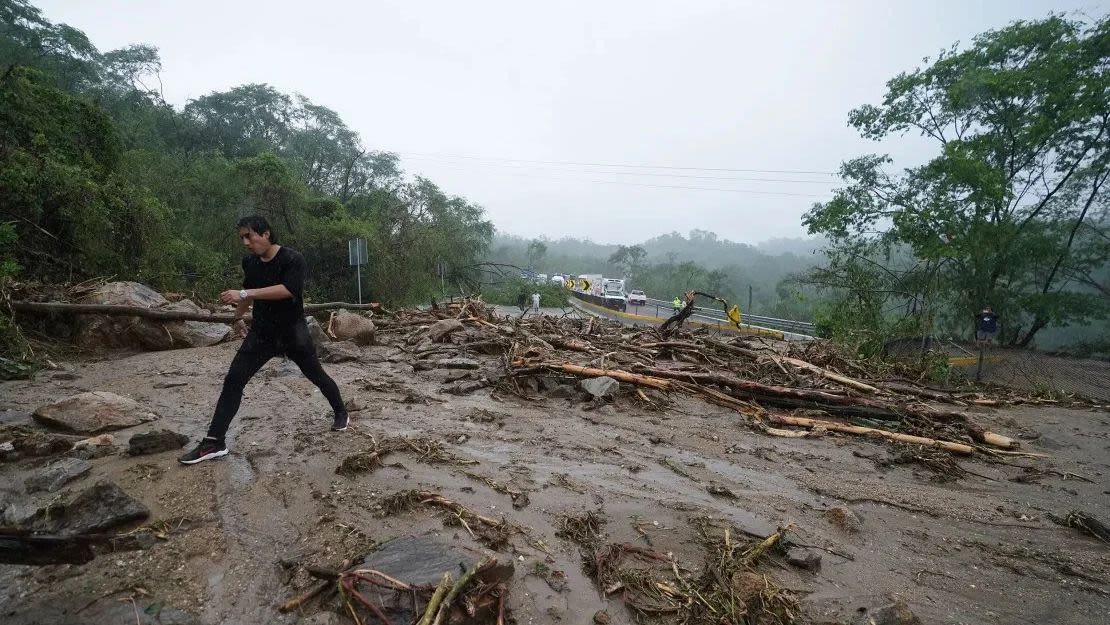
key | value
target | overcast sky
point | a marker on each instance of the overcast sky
(471, 94)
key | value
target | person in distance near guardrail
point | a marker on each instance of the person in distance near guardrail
(986, 327)
(273, 279)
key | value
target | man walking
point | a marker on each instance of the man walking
(273, 280)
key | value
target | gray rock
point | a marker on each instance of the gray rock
(897, 613)
(57, 475)
(804, 558)
(96, 509)
(456, 363)
(320, 618)
(154, 442)
(194, 333)
(93, 412)
(65, 375)
(319, 337)
(443, 328)
(19, 514)
(466, 388)
(845, 519)
(422, 560)
(548, 383)
(600, 387)
(150, 612)
(343, 351)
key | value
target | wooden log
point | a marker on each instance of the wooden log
(835, 377)
(616, 374)
(159, 315)
(832, 426)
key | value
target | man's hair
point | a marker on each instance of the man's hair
(258, 224)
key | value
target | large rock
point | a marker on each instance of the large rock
(154, 442)
(57, 475)
(844, 518)
(348, 326)
(601, 387)
(106, 332)
(443, 328)
(340, 351)
(96, 509)
(422, 561)
(897, 613)
(93, 412)
(804, 558)
(194, 333)
(319, 337)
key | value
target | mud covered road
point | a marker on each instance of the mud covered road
(232, 536)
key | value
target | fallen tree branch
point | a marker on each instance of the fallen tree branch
(160, 315)
(832, 426)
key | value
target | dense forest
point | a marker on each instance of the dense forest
(99, 176)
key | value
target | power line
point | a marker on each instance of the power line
(642, 184)
(636, 173)
(625, 165)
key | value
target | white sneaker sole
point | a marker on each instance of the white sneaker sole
(215, 454)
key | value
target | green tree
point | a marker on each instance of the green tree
(537, 249)
(1014, 204)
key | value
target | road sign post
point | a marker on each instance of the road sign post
(356, 255)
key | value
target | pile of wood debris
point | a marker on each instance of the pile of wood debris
(783, 389)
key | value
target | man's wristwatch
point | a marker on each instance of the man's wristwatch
(243, 294)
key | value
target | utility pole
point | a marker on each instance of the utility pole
(749, 299)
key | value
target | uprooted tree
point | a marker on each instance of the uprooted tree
(1012, 212)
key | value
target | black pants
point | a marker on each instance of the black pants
(255, 351)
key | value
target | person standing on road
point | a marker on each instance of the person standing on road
(273, 281)
(677, 304)
(986, 327)
(536, 303)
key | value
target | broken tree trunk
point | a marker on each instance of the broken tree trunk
(832, 426)
(616, 374)
(160, 315)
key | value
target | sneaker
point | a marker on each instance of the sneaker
(342, 420)
(206, 450)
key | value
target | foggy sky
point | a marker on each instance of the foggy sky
(466, 92)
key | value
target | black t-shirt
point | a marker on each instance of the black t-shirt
(288, 268)
(988, 322)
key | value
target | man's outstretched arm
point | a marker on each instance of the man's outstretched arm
(275, 292)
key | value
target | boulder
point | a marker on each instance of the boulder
(897, 613)
(804, 559)
(57, 475)
(845, 519)
(600, 387)
(194, 333)
(341, 351)
(108, 332)
(348, 326)
(422, 561)
(156, 441)
(93, 412)
(440, 330)
(96, 509)
(319, 337)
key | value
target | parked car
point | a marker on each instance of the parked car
(637, 298)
